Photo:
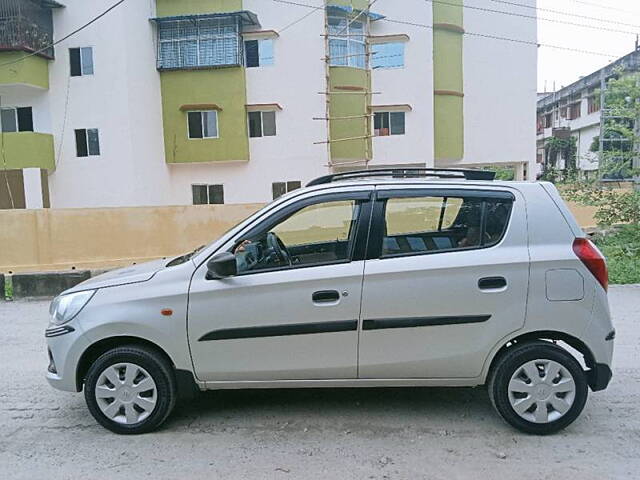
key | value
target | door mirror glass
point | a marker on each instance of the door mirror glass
(221, 265)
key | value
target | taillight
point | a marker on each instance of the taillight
(589, 254)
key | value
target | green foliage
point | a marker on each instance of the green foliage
(614, 207)
(622, 251)
(503, 173)
(567, 148)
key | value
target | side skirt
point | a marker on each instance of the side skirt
(343, 383)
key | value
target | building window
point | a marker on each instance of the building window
(593, 103)
(574, 111)
(388, 123)
(346, 42)
(199, 42)
(87, 142)
(81, 61)
(258, 53)
(262, 124)
(208, 194)
(16, 119)
(203, 124)
(387, 55)
(280, 188)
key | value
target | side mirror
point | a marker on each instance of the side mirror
(221, 265)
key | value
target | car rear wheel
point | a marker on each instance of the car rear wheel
(538, 387)
(130, 390)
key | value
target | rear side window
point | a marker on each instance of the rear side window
(433, 224)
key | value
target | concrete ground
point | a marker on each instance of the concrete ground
(339, 434)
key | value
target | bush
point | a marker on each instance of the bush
(621, 247)
(613, 206)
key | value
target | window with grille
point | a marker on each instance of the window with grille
(199, 42)
(347, 42)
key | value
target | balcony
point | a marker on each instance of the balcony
(27, 150)
(26, 26)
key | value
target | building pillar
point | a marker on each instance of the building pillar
(518, 171)
(32, 188)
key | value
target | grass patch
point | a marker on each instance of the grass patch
(8, 288)
(621, 247)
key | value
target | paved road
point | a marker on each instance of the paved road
(338, 434)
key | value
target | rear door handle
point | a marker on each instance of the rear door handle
(492, 283)
(325, 296)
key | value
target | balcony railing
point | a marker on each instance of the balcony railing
(26, 25)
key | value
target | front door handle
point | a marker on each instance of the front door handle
(492, 283)
(325, 296)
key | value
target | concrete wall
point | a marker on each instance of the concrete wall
(64, 239)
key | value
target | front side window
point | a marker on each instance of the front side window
(258, 53)
(262, 124)
(202, 42)
(314, 235)
(81, 61)
(431, 224)
(16, 119)
(387, 55)
(388, 123)
(347, 45)
(207, 194)
(203, 124)
(87, 142)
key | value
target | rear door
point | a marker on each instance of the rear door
(446, 277)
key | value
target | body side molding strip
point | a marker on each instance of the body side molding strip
(280, 330)
(384, 323)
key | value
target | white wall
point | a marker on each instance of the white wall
(122, 99)
(499, 86)
(411, 85)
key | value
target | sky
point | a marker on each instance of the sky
(562, 67)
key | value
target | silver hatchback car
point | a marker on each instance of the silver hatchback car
(385, 278)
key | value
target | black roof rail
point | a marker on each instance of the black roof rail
(461, 173)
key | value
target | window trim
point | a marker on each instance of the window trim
(17, 119)
(262, 112)
(360, 237)
(82, 65)
(189, 137)
(207, 187)
(389, 114)
(377, 228)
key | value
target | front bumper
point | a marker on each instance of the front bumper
(65, 347)
(599, 376)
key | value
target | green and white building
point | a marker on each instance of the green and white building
(174, 102)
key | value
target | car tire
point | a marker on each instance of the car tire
(545, 400)
(130, 389)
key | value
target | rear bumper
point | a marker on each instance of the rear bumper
(599, 377)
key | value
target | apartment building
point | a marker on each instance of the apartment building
(177, 102)
(575, 110)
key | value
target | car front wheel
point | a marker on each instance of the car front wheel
(538, 387)
(130, 390)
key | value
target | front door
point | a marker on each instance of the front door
(292, 311)
(446, 279)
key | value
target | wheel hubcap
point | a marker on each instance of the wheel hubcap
(126, 393)
(541, 391)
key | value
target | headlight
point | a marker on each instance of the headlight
(65, 307)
